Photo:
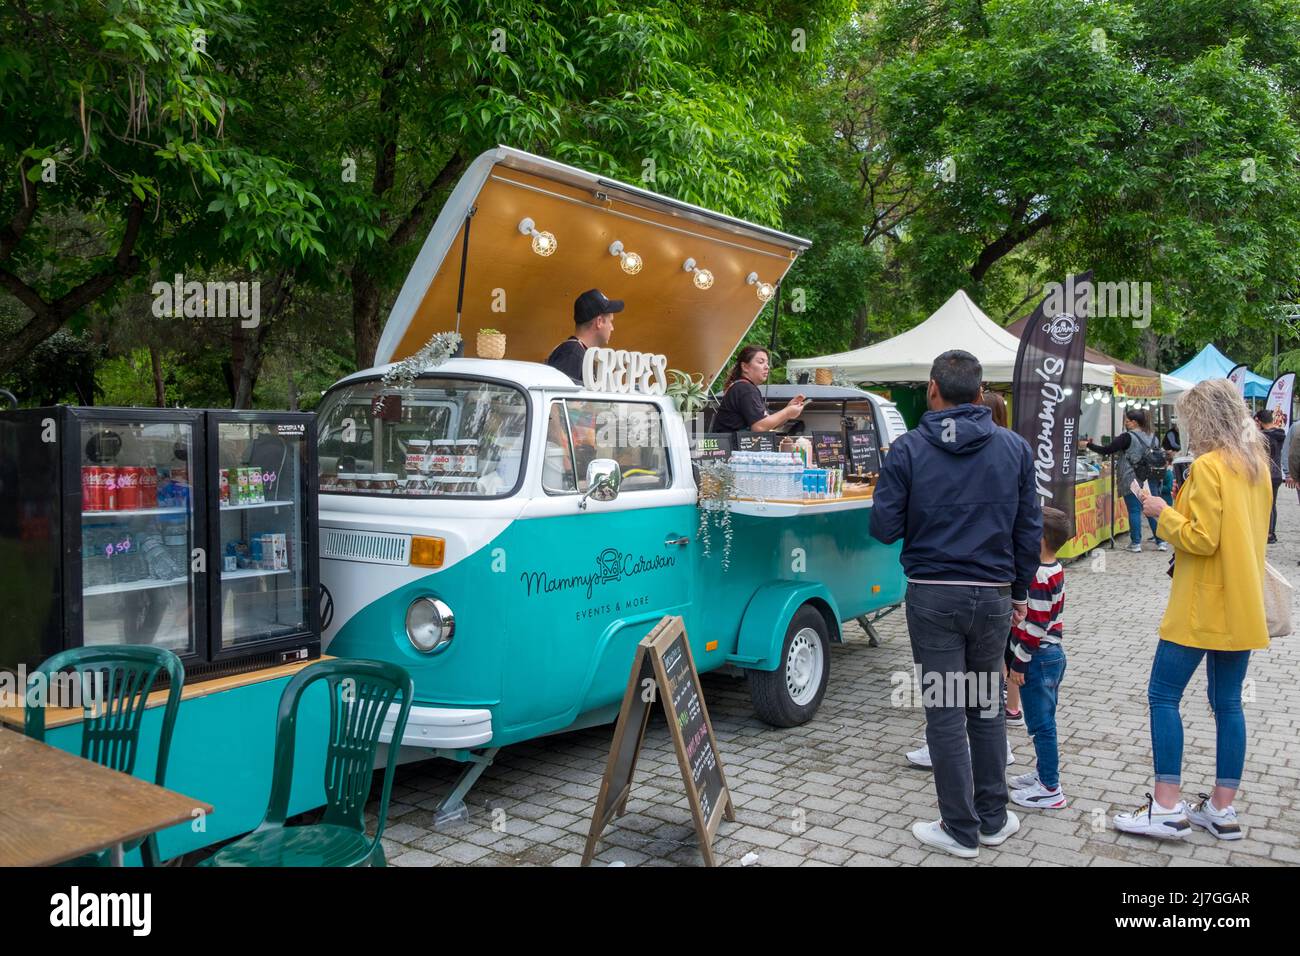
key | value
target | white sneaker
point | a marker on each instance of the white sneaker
(921, 757)
(1024, 780)
(1222, 823)
(1135, 548)
(1163, 546)
(1155, 821)
(1038, 797)
(1009, 829)
(933, 834)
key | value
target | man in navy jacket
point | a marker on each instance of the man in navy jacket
(960, 493)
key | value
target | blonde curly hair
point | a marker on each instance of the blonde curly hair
(1212, 416)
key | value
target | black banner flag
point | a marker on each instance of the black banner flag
(1048, 387)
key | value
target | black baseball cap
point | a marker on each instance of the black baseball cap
(593, 303)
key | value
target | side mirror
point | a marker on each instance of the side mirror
(604, 477)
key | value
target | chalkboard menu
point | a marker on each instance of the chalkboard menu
(829, 449)
(664, 668)
(712, 447)
(758, 441)
(864, 451)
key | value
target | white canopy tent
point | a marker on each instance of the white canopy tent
(957, 324)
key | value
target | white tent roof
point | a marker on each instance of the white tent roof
(957, 324)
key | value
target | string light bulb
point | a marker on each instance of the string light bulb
(543, 242)
(764, 290)
(629, 261)
(702, 278)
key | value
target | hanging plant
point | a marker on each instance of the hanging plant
(440, 347)
(688, 392)
(717, 485)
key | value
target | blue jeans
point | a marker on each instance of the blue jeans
(959, 634)
(1171, 670)
(1135, 519)
(1038, 700)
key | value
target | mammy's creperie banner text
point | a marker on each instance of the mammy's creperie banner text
(1048, 387)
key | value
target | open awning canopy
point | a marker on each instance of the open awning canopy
(529, 297)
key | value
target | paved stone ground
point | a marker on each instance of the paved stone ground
(838, 791)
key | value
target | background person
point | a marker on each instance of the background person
(1218, 527)
(593, 327)
(960, 493)
(1275, 435)
(742, 407)
(1130, 448)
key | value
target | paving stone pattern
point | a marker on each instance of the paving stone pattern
(837, 791)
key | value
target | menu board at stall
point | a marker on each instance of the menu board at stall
(829, 449)
(712, 447)
(757, 441)
(864, 451)
(665, 669)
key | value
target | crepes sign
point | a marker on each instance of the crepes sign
(1047, 387)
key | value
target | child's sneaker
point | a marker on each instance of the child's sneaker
(1222, 823)
(1155, 821)
(1024, 780)
(1015, 718)
(1038, 797)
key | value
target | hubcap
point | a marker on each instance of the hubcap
(803, 666)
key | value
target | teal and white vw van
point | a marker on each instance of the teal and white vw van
(509, 536)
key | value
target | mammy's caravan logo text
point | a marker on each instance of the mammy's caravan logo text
(612, 565)
(76, 909)
(1062, 329)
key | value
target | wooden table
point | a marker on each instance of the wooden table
(56, 806)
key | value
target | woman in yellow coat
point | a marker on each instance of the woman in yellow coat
(1218, 527)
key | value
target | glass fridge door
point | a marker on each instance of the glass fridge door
(137, 532)
(264, 593)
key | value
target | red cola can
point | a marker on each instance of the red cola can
(128, 487)
(108, 488)
(149, 488)
(91, 488)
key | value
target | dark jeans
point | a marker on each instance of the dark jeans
(1272, 515)
(1135, 519)
(1038, 698)
(1171, 671)
(959, 634)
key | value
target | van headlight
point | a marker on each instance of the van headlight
(429, 624)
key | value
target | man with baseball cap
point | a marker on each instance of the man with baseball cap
(593, 319)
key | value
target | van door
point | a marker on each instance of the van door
(593, 580)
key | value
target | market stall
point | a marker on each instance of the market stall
(1209, 362)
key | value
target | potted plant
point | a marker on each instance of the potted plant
(491, 344)
(688, 392)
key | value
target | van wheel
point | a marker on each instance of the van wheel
(791, 694)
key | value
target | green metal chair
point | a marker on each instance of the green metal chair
(110, 731)
(360, 695)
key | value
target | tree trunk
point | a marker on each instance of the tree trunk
(859, 327)
(254, 340)
(365, 315)
(155, 362)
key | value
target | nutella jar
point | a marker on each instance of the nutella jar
(417, 456)
(441, 453)
(467, 457)
(347, 481)
(384, 483)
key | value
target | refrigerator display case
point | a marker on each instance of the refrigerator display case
(112, 531)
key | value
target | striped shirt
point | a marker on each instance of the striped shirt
(1042, 624)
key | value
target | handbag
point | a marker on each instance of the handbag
(1277, 602)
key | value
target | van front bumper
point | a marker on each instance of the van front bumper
(448, 728)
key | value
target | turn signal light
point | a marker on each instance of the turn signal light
(427, 552)
(875, 589)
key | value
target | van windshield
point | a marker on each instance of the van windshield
(440, 437)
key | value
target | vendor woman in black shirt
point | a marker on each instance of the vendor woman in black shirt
(742, 406)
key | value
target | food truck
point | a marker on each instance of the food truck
(509, 535)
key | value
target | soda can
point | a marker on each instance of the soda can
(108, 488)
(128, 488)
(225, 488)
(90, 488)
(149, 488)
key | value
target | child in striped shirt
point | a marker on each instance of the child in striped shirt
(1036, 663)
